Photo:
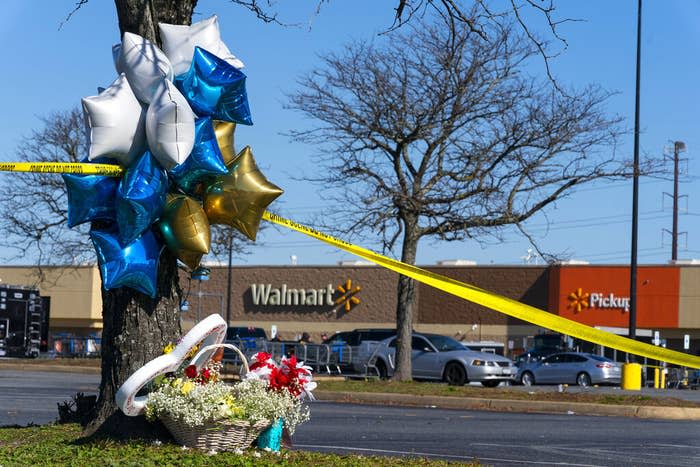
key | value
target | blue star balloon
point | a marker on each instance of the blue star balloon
(140, 197)
(215, 89)
(90, 197)
(134, 266)
(204, 161)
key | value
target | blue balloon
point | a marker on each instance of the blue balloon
(204, 161)
(140, 198)
(90, 197)
(134, 266)
(215, 88)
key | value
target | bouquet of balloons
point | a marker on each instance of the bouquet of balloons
(168, 120)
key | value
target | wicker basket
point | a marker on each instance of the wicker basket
(228, 436)
(215, 436)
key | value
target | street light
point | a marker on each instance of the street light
(635, 185)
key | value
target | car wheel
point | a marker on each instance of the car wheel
(455, 374)
(381, 369)
(583, 379)
(490, 383)
(527, 379)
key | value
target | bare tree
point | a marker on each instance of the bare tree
(440, 133)
(33, 214)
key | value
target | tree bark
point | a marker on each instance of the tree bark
(142, 16)
(136, 327)
(406, 294)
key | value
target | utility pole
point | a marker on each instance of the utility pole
(678, 146)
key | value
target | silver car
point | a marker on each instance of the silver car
(570, 368)
(439, 357)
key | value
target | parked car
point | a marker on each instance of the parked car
(534, 355)
(579, 368)
(357, 336)
(353, 359)
(437, 357)
(247, 338)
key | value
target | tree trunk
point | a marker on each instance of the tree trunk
(142, 16)
(404, 308)
(136, 327)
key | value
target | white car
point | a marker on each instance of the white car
(439, 357)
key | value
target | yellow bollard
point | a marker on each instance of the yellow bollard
(656, 378)
(663, 378)
(632, 376)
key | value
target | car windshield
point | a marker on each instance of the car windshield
(444, 343)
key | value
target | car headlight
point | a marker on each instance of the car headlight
(479, 363)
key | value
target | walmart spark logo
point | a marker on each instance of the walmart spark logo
(578, 300)
(347, 297)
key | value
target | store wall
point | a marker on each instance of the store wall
(599, 295)
(689, 298)
(436, 311)
(76, 298)
(527, 284)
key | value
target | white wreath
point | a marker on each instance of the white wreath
(211, 330)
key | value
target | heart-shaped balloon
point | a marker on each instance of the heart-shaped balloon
(209, 331)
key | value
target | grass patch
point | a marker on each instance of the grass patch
(440, 389)
(50, 445)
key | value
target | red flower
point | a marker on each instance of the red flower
(206, 374)
(191, 371)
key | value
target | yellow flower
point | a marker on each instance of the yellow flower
(169, 348)
(177, 382)
(187, 386)
(193, 351)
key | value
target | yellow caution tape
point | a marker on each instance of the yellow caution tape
(446, 284)
(77, 168)
(496, 302)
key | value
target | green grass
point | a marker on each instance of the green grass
(438, 389)
(51, 445)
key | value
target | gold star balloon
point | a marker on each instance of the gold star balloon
(224, 136)
(239, 198)
(185, 228)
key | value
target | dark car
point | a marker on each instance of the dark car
(345, 347)
(243, 332)
(579, 368)
(247, 338)
(358, 336)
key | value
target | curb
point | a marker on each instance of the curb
(51, 367)
(511, 405)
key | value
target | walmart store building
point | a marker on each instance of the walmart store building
(328, 299)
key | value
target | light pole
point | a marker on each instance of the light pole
(635, 186)
(228, 278)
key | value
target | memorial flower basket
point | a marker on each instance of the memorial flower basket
(201, 411)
